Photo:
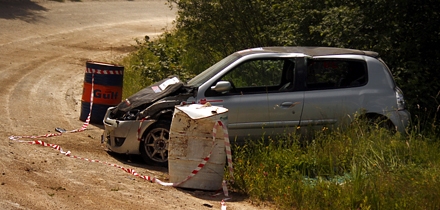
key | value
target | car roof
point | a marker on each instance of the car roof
(310, 51)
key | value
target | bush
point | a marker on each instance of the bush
(358, 168)
(152, 61)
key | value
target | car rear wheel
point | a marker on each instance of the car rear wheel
(378, 122)
(154, 147)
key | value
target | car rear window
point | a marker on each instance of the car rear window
(331, 73)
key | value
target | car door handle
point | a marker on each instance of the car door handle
(288, 104)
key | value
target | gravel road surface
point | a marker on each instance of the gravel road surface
(44, 46)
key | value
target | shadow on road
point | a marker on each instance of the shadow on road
(136, 161)
(25, 10)
(215, 195)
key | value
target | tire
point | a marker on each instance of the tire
(383, 123)
(378, 122)
(154, 145)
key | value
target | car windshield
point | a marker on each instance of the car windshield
(213, 70)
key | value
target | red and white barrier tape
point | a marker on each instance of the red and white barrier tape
(139, 129)
(131, 171)
(227, 145)
(223, 205)
(153, 179)
(69, 154)
(83, 127)
(100, 71)
(206, 159)
(128, 170)
(87, 122)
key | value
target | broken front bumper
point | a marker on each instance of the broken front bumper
(121, 136)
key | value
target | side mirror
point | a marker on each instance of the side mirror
(222, 86)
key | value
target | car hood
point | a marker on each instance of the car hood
(149, 95)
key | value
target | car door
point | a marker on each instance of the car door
(333, 90)
(286, 103)
(247, 101)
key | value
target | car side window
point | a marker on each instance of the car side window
(330, 74)
(261, 75)
(256, 73)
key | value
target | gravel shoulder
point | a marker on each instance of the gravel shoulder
(44, 46)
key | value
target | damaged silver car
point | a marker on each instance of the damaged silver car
(270, 90)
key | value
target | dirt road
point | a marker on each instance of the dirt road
(43, 49)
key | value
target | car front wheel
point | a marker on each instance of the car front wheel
(154, 147)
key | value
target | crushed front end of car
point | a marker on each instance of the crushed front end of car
(127, 125)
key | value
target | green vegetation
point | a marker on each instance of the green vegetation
(152, 61)
(406, 34)
(357, 168)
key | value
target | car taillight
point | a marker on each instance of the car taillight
(400, 99)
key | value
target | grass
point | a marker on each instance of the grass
(358, 168)
(133, 79)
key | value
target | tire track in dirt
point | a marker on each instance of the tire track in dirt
(7, 96)
(35, 78)
(42, 69)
